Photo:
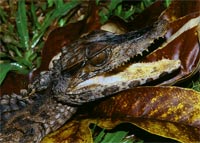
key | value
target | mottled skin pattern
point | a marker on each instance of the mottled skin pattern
(29, 119)
(48, 102)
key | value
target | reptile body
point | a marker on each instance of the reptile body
(74, 79)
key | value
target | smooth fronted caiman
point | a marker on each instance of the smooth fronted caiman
(95, 66)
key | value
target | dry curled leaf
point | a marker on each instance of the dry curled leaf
(180, 8)
(165, 111)
(74, 132)
(183, 44)
(163, 103)
(147, 17)
(171, 112)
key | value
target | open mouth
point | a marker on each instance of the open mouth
(128, 77)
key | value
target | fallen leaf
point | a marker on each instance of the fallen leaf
(182, 44)
(178, 9)
(147, 17)
(75, 131)
(164, 111)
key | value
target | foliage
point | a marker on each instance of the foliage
(116, 8)
(196, 85)
(22, 44)
(112, 137)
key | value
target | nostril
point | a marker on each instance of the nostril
(30, 132)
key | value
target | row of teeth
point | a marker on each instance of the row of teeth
(126, 61)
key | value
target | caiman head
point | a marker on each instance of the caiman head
(99, 64)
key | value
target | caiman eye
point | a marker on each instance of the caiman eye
(97, 55)
(100, 59)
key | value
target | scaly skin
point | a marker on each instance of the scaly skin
(27, 119)
(55, 95)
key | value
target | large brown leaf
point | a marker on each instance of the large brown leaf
(180, 8)
(147, 17)
(75, 131)
(170, 112)
(183, 44)
(176, 10)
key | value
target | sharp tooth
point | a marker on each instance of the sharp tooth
(139, 53)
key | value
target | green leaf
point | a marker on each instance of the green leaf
(12, 47)
(118, 11)
(6, 67)
(100, 137)
(3, 15)
(62, 22)
(24, 61)
(58, 3)
(36, 24)
(147, 3)
(51, 16)
(124, 14)
(57, 13)
(196, 85)
(113, 4)
(167, 3)
(21, 22)
(44, 6)
(3, 55)
(114, 137)
(103, 16)
(97, 2)
(38, 62)
(50, 3)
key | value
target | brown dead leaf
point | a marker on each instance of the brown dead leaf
(163, 103)
(157, 10)
(73, 132)
(180, 8)
(182, 43)
(13, 83)
(147, 17)
(170, 112)
(166, 111)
